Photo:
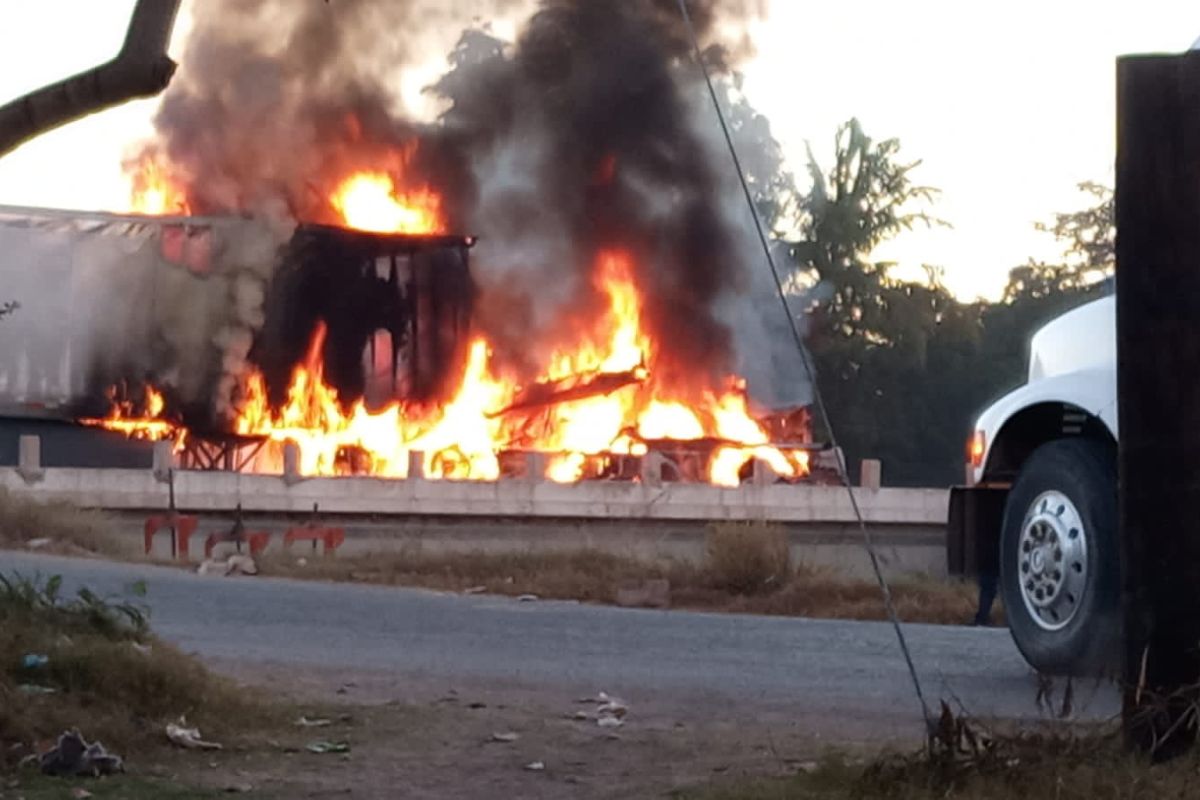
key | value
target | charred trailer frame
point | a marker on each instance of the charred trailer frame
(403, 301)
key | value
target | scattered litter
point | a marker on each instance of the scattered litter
(305, 722)
(239, 788)
(505, 737)
(323, 747)
(39, 543)
(610, 711)
(74, 756)
(79, 793)
(144, 649)
(477, 705)
(301, 562)
(808, 767)
(535, 766)
(187, 737)
(242, 564)
(612, 707)
(212, 567)
(34, 660)
(235, 564)
(526, 598)
(475, 590)
(31, 688)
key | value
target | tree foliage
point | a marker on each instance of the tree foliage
(904, 366)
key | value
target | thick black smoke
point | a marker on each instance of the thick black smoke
(578, 138)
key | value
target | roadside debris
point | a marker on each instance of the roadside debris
(536, 766)
(73, 756)
(235, 564)
(526, 598)
(32, 688)
(39, 543)
(610, 711)
(79, 793)
(34, 660)
(475, 590)
(323, 747)
(188, 738)
(507, 737)
(305, 722)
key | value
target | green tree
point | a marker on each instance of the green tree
(903, 366)
(875, 338)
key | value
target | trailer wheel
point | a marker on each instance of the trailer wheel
(1059, 560)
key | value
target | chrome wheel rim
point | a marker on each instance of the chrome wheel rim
(1052, 563)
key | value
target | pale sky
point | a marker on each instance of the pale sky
(1008, 104)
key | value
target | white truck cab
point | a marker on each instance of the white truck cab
(1038, 511)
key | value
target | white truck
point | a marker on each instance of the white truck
(1039, 508)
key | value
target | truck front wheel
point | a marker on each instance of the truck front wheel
(1059, 560)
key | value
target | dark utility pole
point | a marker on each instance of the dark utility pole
(1158, 355)
(141, 69)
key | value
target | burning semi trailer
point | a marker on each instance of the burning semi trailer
(294, 286)
(231, 338)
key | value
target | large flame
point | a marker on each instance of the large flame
(596, 399)
(599, 398)
(370, 201)
(154, 191)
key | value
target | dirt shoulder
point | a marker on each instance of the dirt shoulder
(426, 739)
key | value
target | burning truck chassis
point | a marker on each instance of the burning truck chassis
(233, 339)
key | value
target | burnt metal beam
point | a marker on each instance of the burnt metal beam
(142, 68)
(1158, 355)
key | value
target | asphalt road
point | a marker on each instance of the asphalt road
(752, 667)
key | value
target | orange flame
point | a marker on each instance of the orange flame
(620, 407)
(154, 191)
(369, 201)
(145, 424)
(598, 398)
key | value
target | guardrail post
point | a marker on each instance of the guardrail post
(163, 461)
(535, 467)
(29, 459)
(764, 474)
(652, 469)
(416, 465)
(870, 475)
(291, 463)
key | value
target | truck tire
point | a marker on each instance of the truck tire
(1060, 569)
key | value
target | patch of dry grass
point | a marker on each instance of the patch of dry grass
(105, 674)
(1062, 764)
(746, 569)
(71, 530)
(747, 558)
